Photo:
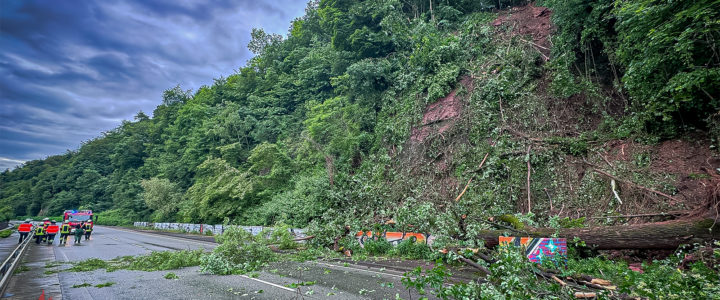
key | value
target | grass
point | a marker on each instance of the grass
(699, 176)
(21, 269)
(102, 285)
(7, 232)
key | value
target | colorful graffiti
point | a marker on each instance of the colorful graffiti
(393, 237)
(537, 249)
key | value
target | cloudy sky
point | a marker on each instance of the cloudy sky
(70, 70)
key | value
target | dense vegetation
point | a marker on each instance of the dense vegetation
(316, 128)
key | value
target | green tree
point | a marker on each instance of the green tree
(163, 197)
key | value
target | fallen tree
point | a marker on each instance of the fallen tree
(661, 235)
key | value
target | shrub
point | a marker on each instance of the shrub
(239, 252)
(378, 246)
(115, 217)
(413, 250)
(282, 237)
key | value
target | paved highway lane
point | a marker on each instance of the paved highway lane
(329, 280)
(7, 245)
(108, 243)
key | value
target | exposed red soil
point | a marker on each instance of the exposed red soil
(446, 108)
(440, 115)
(692, 162)
(530, 20)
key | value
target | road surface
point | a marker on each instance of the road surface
(323, 279)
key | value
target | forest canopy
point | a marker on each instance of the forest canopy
(323, 121)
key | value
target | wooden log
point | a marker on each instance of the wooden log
(662, 235)
(584, 295)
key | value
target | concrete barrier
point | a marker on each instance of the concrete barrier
(214, 229)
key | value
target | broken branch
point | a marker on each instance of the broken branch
(468, 183)
(528, 178)
(473, 264)
(596, 169)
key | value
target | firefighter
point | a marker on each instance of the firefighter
(24, 229)
(78, 233)
(64, 232)
(45, 226)
(46, 221)
(88, 227)
(51, 231)
(39, 233)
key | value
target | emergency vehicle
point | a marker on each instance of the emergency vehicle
(75, 217)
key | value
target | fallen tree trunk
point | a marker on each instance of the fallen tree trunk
(662, 235)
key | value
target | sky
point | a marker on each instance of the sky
(70, 70)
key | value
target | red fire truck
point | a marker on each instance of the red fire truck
(75, 217)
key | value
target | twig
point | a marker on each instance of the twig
(633, 184)
(614, 190)
(481, 164)
(468, 183)
(558, 280)
(534, 44)
(297, 240)
(502, 116)
(599, 287)
(522, 135)
(548, 195)
(605, 159)
(677, 213)
(463, 191)
(528, 178)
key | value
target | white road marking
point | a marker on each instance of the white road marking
(358, 269)
(269, 283)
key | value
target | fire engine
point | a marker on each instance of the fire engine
(75, 217)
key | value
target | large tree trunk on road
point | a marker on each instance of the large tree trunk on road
(662, 235)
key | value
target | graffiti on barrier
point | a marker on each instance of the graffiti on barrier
(537, 249)
(393, 237)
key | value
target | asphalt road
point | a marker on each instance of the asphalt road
(7, 245)
(322, 279)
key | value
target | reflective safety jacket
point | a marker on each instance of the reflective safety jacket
(88, 227)
(40, 230)
(53, 229)
(65, 229)
(25, 227)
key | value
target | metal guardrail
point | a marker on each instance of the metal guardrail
(10, 264)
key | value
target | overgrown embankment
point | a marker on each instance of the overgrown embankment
(561, 114)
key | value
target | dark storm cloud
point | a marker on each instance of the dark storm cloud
(71, 70)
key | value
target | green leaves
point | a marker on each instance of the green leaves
(162, 196)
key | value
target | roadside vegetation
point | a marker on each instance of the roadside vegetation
(453, 119)
(7, 232)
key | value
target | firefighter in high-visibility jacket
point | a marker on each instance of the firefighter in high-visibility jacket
(52, 230)
(24, 229)
(88, 229)
(39, 233)
(64, 233)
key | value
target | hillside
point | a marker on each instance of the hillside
(368, 111)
